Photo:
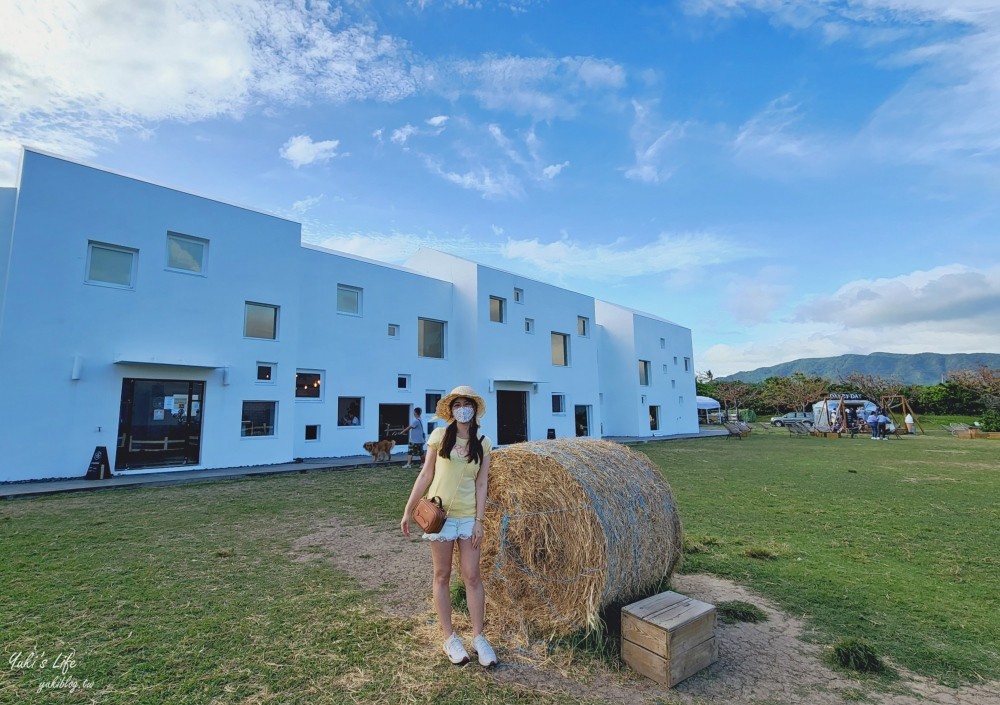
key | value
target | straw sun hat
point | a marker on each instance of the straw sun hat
(443, 411)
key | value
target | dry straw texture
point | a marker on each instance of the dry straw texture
(572, 526)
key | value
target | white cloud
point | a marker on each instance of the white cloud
(306, 204)
(951, 297)
(79, 74)
(402, 134)
(769, 133)
(301, 150)
(949, 309)
(618, 260)
(437, 120)
(553, 170)
(754, 299)
(651, 141)
(489, 183)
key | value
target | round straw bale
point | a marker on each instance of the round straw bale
(573, 525)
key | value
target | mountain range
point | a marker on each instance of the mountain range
(921, 368)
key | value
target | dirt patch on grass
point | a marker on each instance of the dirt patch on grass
(768, 662)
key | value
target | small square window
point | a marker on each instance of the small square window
(110, 265)
(260, 321)
(402, 382)
(393, 330)
(558, 403)
(529, 325)
(582, 326)
(259, 418)
(308, 384)
(518, 295)
(186, 254)
(312, 432)
(265, 372)
(350, 411)
(348, 300)
(498, 309)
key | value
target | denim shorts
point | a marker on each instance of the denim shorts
(453, 529)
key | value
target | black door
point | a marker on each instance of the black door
(392, 419)
(160, 423)
(512, 417)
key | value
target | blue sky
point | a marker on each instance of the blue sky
(788, 179)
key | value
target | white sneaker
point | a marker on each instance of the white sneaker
(407, 466)
(454, 650)
(487, 657)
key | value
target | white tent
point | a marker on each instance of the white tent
(708, 403)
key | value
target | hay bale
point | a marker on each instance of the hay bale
(573, 526)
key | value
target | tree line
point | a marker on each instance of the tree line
(971, 392)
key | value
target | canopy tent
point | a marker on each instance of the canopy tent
(708, 403)
(705, 407)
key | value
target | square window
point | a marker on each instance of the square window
(265, 372)
(529, 325)
(260, 321)
(402, 382)
(654, 418)
(430, 338)
(644, 369)
(312, 432)
(349, 411)
(518, 295)
(560, 349)
(498, 309)
(393, 330)
(348, 300)
(582, 326)
(259, 418)
(186, 254)
(308, 384)
(110, 265)
(558, 403)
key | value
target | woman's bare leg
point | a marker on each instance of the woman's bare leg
(468, 558)
(441, 552)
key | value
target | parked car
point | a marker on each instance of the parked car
(805, 417)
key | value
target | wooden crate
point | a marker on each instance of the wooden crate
(669, 637)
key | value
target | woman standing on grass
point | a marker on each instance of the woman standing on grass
(457, 469)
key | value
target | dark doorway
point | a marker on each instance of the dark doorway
(392, 419)
(160, 423)
(512, 417)
(582, 420)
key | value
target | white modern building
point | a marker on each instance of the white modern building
(180, 332)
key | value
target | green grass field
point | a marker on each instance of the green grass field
(189, 594)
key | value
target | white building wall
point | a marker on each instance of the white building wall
(172, 325)
(355, 353)
(628, 337)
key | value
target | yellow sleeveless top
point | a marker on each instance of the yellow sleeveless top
(454, 478)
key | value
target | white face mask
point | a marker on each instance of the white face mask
(464, 414)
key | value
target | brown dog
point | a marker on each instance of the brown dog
(380, 449)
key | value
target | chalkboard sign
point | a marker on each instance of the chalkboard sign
(100, 467)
